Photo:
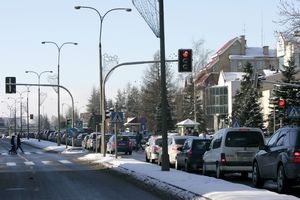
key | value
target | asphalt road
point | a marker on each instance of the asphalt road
(45, 176)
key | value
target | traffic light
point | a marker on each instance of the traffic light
(185, 60)
(281, 103)
(107, 114)
(8, 87)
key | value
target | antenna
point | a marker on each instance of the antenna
(244, 29)
(262, 29)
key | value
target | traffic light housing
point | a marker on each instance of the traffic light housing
(185, 60)
(10, 86)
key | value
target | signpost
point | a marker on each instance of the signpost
(116, 117)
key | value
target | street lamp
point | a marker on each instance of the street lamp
(102, 98)
(9, 120)
(20, 93)
(58, 94)
(15, 99)
(39, 104)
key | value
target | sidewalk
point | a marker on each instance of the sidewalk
(178, 183)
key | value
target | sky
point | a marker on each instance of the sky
(180, 183)
(125, 35)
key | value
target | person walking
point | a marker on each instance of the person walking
(13, 145)
(138, 139)
(19, 143)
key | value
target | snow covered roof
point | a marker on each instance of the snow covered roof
(225, 46)
(253, 52)
(232, 76)
(187, 122)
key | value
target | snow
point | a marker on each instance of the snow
(182, 184)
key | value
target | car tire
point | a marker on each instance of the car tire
(219, 173)
(130, 152)
(187, 167)
(147, 160)
(204, 171)
(256, 179)
(176, 165)
(282, 184)
(244, 175)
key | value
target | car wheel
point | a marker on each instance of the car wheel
(147, 160)
(281, 180)
(176, 165)
(187, 166)
(130, 152)
(256, 179)
(204, 171)
(219, 173)
(244, 175)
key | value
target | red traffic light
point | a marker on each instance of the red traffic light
(281, 102)
(185, 54)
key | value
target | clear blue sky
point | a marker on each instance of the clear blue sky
(25, 24)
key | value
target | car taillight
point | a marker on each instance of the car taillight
(223, 158)
(175, 148)
(296, 157)
(154, 148)
(113, 144)
(130, 143)
(189, 152)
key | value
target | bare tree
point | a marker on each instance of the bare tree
(200, 55)
(289, 15)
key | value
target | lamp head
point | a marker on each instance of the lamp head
(75, 43)
(51, 71)
(77, 7)
(128, 9)
(26, 71)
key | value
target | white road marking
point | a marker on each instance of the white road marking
(4, 154)
(46, 162)
(11, 164)
(29, 163)
(65, 161)
(39, 152)
(27, 153)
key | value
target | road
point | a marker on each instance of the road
(42, 175)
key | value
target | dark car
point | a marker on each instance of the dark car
(123, 144)
(279, 159)
(190, 156)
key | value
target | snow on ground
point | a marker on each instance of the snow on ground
(207, 187)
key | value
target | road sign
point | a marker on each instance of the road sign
(8, 87)
(117, 117)
(293, 112)
(236, 123)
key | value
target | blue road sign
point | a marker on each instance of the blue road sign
(117, 117)
(293, 112)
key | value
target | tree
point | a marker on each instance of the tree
(289, 15)
(246, 106)
(93, 106)
(150, 95)
(289, 94)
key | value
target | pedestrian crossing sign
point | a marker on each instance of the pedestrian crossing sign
(117, 117)
(293, 112)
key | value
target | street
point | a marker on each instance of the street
(43, 175)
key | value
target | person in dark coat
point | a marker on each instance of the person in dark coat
(19, 143)
(13, 145)
(138, 140)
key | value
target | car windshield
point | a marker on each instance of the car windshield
(158, 142)
(180, 141)
(244, 139)
(201, 144)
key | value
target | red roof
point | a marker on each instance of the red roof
(225, 46)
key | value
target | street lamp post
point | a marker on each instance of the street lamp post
(15, 112)
(21, 124)
(58, 82)
(102, 100)
(39, 104)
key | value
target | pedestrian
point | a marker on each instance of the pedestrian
(19, 143)
(13, 145)
(138, 139)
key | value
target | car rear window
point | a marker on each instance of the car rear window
(244, 139)
(123, 139)
(200, 144)
(180, 141)
(295, 138)
(158, 141)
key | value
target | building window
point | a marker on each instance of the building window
(216, 100)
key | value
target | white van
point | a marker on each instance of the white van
(232, 150)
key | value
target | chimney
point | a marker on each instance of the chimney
(243, 44)
(266, 50)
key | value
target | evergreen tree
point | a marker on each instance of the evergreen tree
(287, 93)
(246, 106)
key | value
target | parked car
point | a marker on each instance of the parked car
(78, 140)
(190, 156)
(123, 144)
(132, 137)
(233, 150)
(84, 141)
(152, 148)
(279, 160)
(91, 142)
(107, 136)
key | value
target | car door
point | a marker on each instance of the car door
(265, 156)
(181, 155)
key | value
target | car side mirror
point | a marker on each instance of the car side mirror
(264, 147)
(147, 144)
